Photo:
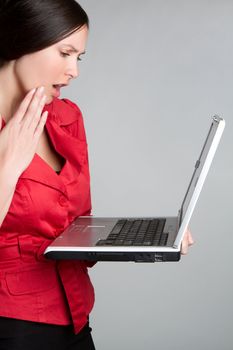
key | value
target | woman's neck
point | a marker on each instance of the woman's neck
(10, 96)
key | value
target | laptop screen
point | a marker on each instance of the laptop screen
(199, 166)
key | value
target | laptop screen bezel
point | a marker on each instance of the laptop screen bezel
(201, 169)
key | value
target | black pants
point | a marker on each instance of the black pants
(25, 335)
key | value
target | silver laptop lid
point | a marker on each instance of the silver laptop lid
(199, 175)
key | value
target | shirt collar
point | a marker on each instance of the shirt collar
(63, 111)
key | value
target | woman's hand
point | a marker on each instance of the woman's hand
(187, 241)
(20, 137)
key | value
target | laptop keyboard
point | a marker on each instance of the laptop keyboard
(136, 232)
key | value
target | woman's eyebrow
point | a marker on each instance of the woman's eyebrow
(74, 49)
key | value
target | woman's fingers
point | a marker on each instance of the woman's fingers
(19, 115)
(34, 121)
(40, 126)
(33, 109)
(190, 238)
(19, 140)
(187, 241)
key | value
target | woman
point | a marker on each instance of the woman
(44, 176)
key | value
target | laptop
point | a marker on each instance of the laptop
(146, 239)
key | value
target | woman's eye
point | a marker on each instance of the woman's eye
(63, 54)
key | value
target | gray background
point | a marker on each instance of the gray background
(154, 73)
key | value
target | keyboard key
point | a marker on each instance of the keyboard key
(147, 243)
(127, 242)
(163, 239)
(119, 242)
(161, 225)
(118, 227)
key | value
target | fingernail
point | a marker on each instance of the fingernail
(41, 89)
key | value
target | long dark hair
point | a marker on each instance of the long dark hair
(27, 26)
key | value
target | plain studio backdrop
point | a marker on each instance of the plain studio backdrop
(154, 74)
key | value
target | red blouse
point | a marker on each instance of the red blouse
(44, 204)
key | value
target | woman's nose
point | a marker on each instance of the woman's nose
(73, 70)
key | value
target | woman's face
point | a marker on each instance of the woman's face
(55, 65)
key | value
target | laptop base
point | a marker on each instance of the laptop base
(115, 256)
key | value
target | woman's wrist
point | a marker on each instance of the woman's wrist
(8, 175)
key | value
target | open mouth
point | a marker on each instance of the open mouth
(59, 86)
